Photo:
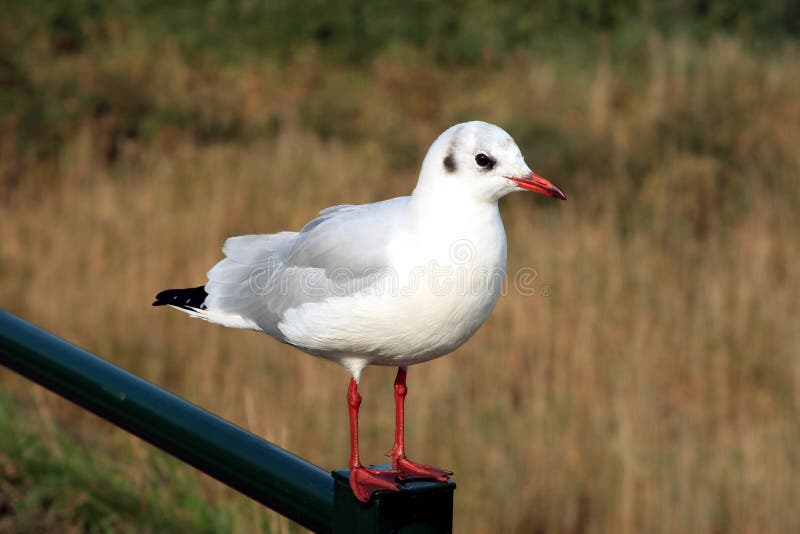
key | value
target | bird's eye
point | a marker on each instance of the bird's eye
(484, 161)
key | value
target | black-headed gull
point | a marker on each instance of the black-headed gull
(394, 283)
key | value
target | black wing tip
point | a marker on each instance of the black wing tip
(192, 297)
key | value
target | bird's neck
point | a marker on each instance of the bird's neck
(453, 214)
(445, 195)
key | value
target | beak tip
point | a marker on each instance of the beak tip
(539, 185)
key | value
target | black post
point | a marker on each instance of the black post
(421, 507)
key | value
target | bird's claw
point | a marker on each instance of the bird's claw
(413, 471)
(364, 481)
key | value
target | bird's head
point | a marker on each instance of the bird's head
(482, 161)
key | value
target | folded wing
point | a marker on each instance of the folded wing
(339, 253)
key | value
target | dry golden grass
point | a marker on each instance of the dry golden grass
(653, 389)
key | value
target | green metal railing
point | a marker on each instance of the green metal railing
(272, 476)
(280, 480)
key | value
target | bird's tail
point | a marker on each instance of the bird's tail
(192, 301)
(189, 298)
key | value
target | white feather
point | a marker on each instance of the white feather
(224, 319)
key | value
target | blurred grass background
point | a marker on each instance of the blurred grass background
(651, 384)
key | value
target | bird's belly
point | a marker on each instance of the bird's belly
(433, 323)
(398, 323)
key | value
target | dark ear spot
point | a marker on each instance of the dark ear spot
(450, 163)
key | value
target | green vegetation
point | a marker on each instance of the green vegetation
(354, 31)
(49, 482)
(42, 100)
(653, 389)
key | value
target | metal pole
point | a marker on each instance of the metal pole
(272, 476)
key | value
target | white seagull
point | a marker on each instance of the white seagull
(396, 283)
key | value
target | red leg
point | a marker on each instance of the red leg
(408, 469)
(363, 481)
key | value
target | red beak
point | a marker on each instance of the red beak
(538, 185)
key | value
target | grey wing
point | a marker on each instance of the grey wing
(350, 238)
(336, 254)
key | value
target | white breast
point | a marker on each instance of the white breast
(441, 287)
